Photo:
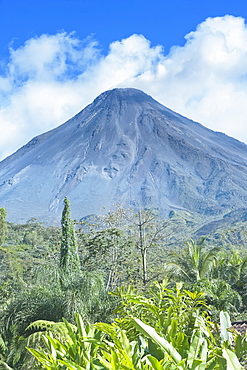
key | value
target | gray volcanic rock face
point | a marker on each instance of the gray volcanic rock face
(128, 149)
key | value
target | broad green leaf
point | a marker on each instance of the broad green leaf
(155, 350)
(154, 362)
(231, 360)
(162, 342)
(70, 365)
(212, 365)
(53, 347)
(114, 360)
(203, 355)
(80, 326)
(195, 345)
(126, 343)
(225, 323)
(105, 360)
(45, 360)
(196, 364)
(240, 345)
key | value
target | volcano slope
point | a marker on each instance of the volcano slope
(125, 148)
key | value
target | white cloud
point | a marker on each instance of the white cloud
(206, 79)
(50, 78)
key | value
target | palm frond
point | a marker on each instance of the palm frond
(2, 345)
(4, 366)
(208, 261)
(43, 326)
(194, 262)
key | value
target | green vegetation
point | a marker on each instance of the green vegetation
(117, 292)
(3, 225)
(69, 259)
(173, 333)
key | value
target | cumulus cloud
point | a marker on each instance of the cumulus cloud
(206, 79)
(51, 77)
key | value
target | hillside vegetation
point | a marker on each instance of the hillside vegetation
(153, 287)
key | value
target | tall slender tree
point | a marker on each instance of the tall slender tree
(3, 225)
(69, 259)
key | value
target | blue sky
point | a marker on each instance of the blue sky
(164, 22)
(56, 56)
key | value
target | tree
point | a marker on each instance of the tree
(106, 251)
(197, 267)
(194, 262)
(148, 231)
(231, 267)
(3, 225)
(106, 246)
(69, 259)
(220, 296)
(127, 247)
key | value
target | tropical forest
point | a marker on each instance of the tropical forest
(119, 291)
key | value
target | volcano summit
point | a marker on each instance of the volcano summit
(128, 149)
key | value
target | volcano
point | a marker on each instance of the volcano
(124, 148)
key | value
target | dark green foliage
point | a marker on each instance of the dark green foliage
(19, 262)
(30, 305)
(69, 260)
